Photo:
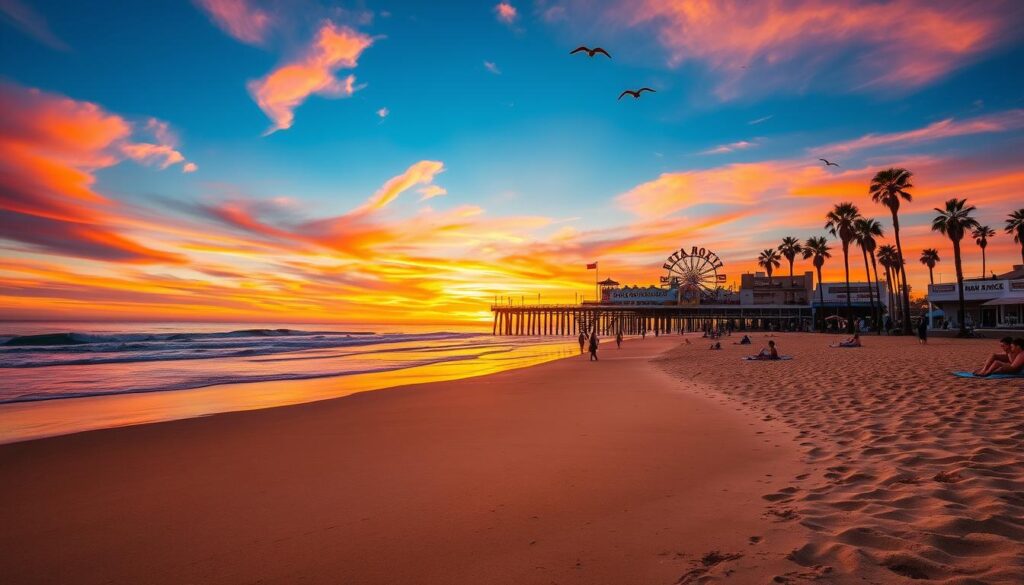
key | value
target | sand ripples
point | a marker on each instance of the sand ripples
(913, 474)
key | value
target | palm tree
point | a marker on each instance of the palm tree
(1015, 226)
(817, 248)
(930, 257)
(865, 230)
(887, 188)
(887, 258)
(954, 221)
(769, 260)
(790, 248)
(981, 234)
(841, 222)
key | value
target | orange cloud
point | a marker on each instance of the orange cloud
(238, 18)
(49, 149)
(313, 72)
(421, 173)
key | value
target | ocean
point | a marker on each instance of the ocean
(58, 378)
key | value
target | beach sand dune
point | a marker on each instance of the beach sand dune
(568, 472)
(915, 475)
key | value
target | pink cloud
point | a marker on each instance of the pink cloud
(238, 18)
(948, 128)
(506, 12)
(313, 72)
(50, 147)
(431, 191)
(786, 45)
(189, 168)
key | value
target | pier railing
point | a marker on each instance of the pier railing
(607, 319)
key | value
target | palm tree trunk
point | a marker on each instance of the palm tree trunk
(871, 294)
(983, 271)
(931, 275)
(849, 301)
(821, 296)
(904, 292)
(791, 270)
(874, 265)
(962, 309)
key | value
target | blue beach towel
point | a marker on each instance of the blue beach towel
(990, 377)
(751, 358)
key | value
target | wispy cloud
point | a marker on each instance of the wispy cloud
(241, 19)
(731, 147)
(947, 128)
(490, 66)
(30, 22)
(793, 45)
(383, 113)
(760, 120)
(280, 92)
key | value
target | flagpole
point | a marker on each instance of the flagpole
(597, 272)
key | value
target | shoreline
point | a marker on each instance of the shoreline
(28, 420)
(566, 471)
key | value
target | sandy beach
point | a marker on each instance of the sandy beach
(915, 475)
(662, 463)
(567, 472)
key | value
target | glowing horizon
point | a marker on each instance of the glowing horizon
(286, 161)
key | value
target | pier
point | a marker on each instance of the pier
(609, 319)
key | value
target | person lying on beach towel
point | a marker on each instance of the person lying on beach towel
(1015, 366)
(1005, 356)
(851, 342)
(768, 353)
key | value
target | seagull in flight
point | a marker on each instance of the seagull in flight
(636, 93)
(590, 52)
(829, 164)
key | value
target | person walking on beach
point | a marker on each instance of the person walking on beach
(643, 334)
(593, 346)
(583, 341)
(618, 340)
(922, 332)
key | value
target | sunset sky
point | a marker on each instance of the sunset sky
(407, 161)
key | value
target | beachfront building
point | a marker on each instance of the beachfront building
(831, 297)
(990, 303)
(758, 289)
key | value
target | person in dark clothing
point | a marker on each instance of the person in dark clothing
(593, 346)
(583, 341)
(922, 331)
(618, 340)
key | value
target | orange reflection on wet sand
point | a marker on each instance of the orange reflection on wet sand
(32, 420)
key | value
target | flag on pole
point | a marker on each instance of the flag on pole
(592, 266)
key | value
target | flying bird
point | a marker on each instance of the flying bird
(590, 52)
(829, 164)
(636, 93)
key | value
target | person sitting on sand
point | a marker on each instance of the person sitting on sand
(1016, 364)
(746, 340)
(1003, 357)
(851, 342)
(768, 353)
(716, 345)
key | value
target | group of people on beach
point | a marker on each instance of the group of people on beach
(1008, 361)
(594, 342)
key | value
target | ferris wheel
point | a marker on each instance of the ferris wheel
(694, 272)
